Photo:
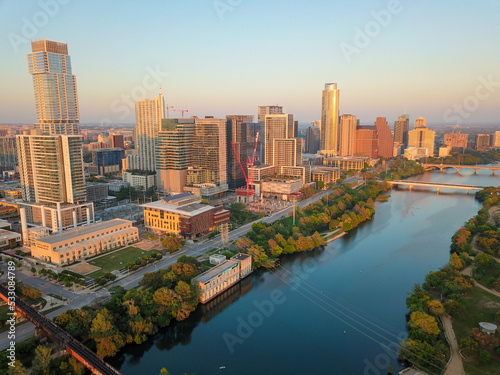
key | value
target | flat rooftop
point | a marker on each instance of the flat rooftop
(82, 231)
(240, 256)
(187, 210)
(214, 271)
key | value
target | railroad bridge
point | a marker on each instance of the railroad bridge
(74, 347)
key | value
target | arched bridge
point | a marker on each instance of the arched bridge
(437, 185)
(74, 347)
(475, 168)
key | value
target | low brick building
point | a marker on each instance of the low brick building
(183, 215)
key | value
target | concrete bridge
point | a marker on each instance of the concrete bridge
(74, 347)
(437, 185)
(475, 168)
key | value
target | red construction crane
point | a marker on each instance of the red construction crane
(167, 108)
(251, 161)
(249, 180)
(181, 110)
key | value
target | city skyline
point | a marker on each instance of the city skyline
(402, 63)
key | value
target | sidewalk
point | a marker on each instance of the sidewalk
(455, 366)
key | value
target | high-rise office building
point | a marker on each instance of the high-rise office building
(401, 128)
(174, 154)
(56, 99)
(8, 153)
(264, 110)
(496, 139)
(482, 142)
(149, 114)
(239, 133)
(278, 126)
(108, 160)
(51, 168)
(385, 140)
(208, 175)
(422, 137)
(456, 139)
(420, 122)
(366, 141)
(347, 135)
(330, 119)
(312, 144)
(117, 141)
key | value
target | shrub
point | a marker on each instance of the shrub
(484, 356)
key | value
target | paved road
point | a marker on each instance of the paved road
(78, 300)
(43, 285)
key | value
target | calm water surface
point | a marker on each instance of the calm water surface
(340, 310)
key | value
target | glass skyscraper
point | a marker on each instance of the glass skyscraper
(54, 84)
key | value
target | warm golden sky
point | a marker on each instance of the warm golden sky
(215, 58)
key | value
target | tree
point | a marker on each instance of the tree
(436, 308)
(41, 363)
(484, 340)
(164, 371)
(18, 369)
(258, 254)
(106, 336)
(424, 322)
(469, 346)
(456, 262)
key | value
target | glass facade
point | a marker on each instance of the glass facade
(54, 85)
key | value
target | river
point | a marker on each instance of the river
(340, 310)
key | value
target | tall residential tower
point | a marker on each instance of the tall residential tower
(330, 120)
(55, 88)
(149, 114)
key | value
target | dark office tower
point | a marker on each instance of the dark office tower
(482, 142)
(239, 130)
(385, 140)
(117, 141)
(401, 127)
(56, 99)
(312, 140)
(8, 153)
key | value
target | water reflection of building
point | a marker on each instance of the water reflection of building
(225, 299)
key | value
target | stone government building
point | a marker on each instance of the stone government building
(83, 242)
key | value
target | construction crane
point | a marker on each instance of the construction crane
(167, 108)
(181, 110)
(248, 192)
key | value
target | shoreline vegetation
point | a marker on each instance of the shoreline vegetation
(450, 292)
(131, 316)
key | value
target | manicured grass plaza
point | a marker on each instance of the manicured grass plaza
(116, 260)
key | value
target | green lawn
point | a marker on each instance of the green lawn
(491, 275)
(481, 307)
(111, 262)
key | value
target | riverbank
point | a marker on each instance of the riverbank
(466, 309)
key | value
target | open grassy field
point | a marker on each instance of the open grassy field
(115, 260)
(481, 307)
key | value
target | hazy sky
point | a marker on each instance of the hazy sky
(218, 57)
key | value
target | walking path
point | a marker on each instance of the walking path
(455, 366)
